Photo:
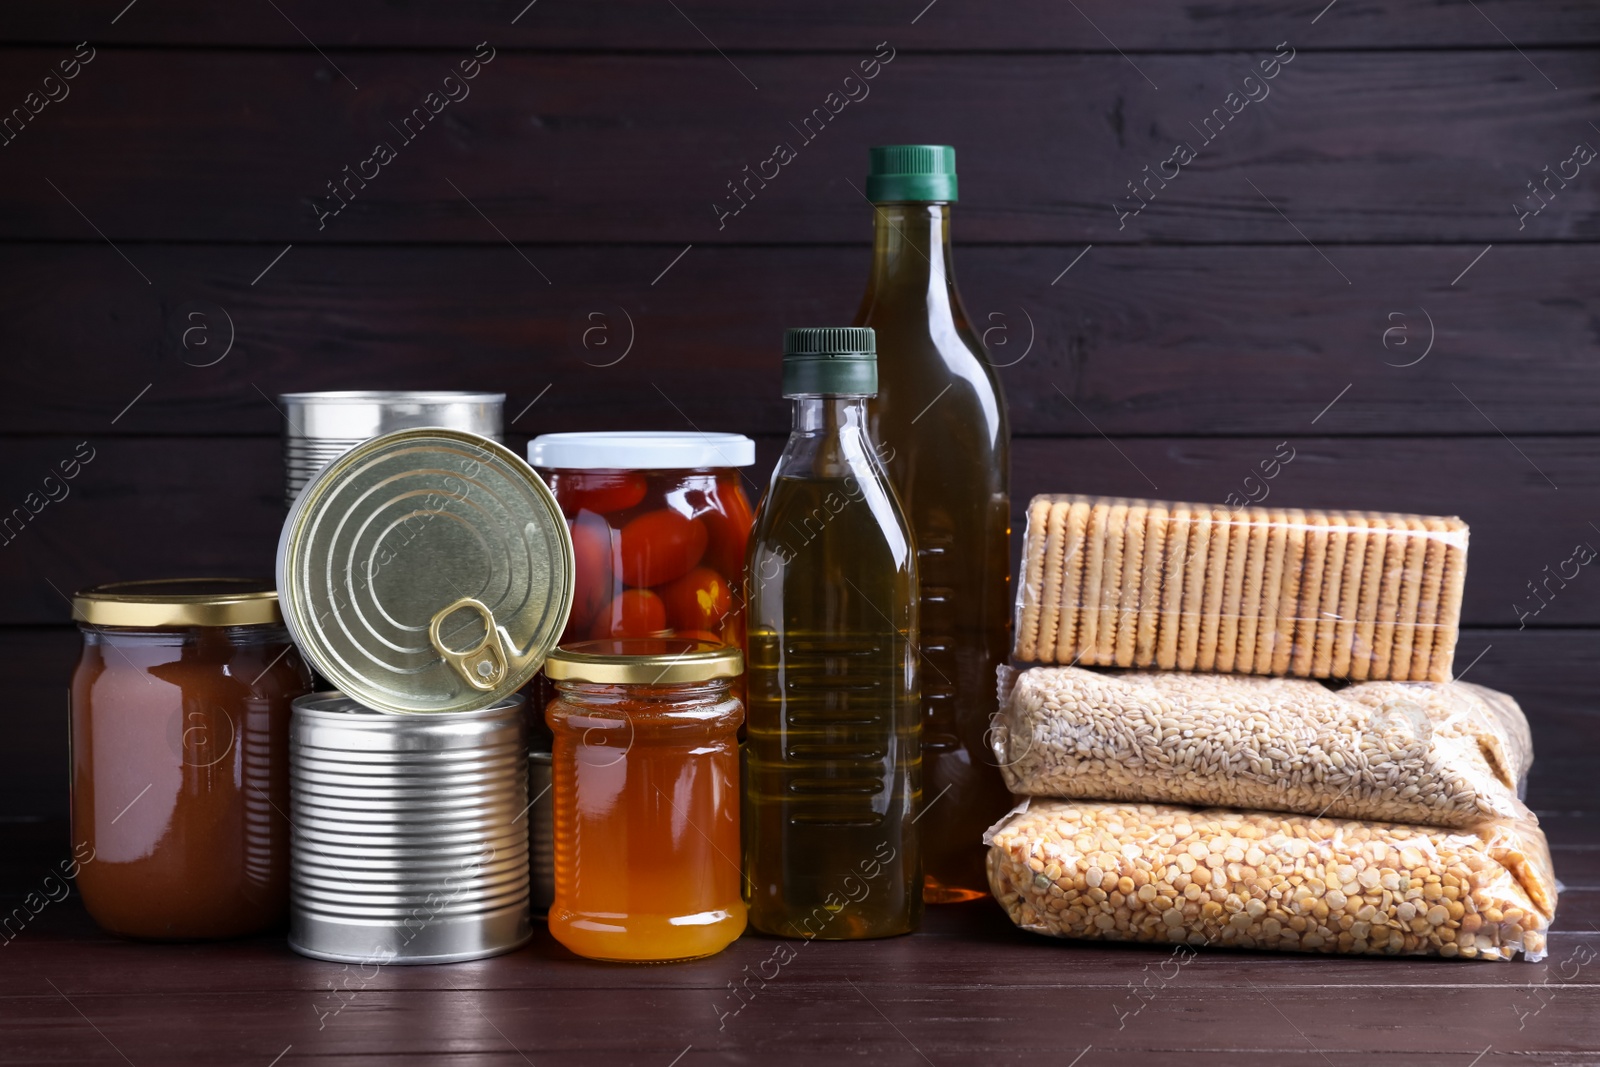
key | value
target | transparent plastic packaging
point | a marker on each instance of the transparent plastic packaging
(1211, 587)
(1419, 752)
(1242, 879)
(1514, 725)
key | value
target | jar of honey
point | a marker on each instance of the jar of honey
(646, 791)
(180, 769)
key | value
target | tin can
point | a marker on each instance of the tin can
(321, 427)
(541, 832)
(410, 842)
(426, 571)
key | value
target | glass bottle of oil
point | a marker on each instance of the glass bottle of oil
(833, 779)
(940, 422)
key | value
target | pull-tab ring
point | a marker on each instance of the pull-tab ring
(483, 665)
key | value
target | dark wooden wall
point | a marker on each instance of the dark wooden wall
(1320, 274)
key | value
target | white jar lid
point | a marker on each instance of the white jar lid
(640, 450)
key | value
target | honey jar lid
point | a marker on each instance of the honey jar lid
(644, 661)
(426, 570)
(169, 603)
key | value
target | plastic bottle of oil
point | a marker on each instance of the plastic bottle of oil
(833, 779)
(940, 420)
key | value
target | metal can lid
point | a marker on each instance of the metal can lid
(426, 570)
(644, 661)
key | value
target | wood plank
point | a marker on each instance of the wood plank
(1028, 25)
(157, 506)
(989, 949)
(968, 985)
(35, 666)
(1165, 340)
(979, 937)
(1391, 146)
(804, 1026)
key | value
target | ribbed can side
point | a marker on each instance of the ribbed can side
(410, 839)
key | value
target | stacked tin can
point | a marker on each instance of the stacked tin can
(320, 427)
(425, 573)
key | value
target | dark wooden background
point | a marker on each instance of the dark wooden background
(1248, 304)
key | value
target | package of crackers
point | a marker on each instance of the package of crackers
(1357, 595)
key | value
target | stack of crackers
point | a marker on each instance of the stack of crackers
(1314, 594)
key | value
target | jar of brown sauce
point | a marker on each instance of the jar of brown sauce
(180, 770)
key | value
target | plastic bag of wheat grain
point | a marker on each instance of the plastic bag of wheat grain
(1261, 880)
(1418, 752)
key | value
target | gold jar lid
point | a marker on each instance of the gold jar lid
(643, 661)
(176, 602)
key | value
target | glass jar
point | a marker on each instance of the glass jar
(180, 772)
(646, 790)
(659, 526)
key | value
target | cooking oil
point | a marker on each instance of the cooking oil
(939, 420)
(833, 778)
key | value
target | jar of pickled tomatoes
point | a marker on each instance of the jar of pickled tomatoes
(659, 526)
(646, 797)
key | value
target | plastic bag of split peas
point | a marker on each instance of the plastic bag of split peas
(1261, 880)
(659, 524)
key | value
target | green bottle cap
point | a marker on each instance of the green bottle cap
(900, 172)
(842, 360)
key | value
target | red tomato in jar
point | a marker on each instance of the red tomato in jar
(602, 492)
(659, 546)
(592, 544)
(701, 635)
(631, 613)
(700, 600)
(728, 531)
